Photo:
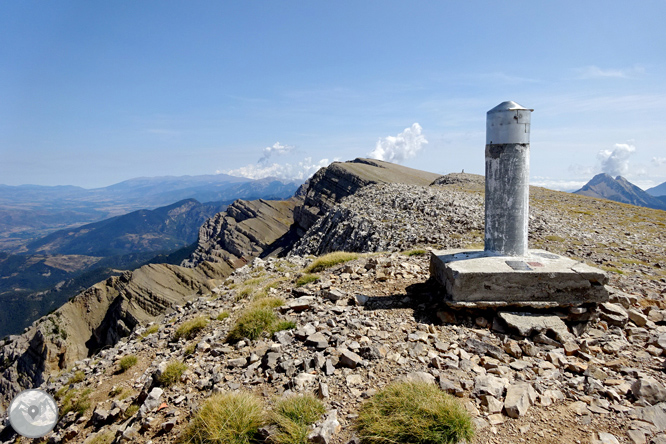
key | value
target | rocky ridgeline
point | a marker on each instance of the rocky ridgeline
(362, 325)
(330, 185)
(396, 217)
(244, 231)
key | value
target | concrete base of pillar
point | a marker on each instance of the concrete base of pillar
(476, 279)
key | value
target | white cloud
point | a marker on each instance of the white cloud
(277, 149)
(658, 161)
(401, 147)
(594, 72)
(299, 171)
(616, 162)
(556, 184)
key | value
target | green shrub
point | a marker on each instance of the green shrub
(252, 323)
(329, 260)
(293, 416)
(190, 328)
(226, 418)
(172, 374)
(416, 252)
(127, 362)
(307, 278)
(413, 412)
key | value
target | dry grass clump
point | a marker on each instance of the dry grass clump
(190, 328)
(307, 278)
(252, 323)
(329, 260)
(172, 374)
(259, 318)
(413, 412)
(149, 331)
(76, 378)
(293, 416)
(127, 362)
(103, 438)
(73, 400)
(226, 418)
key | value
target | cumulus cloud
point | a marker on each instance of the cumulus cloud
(288, 171)
(401, 147)
(616, 162)
(277, 149)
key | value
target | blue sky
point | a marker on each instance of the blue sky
(92, 93)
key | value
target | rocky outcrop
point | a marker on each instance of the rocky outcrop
(340, 179)
(99, 317)
(246, 230)
(393, 217)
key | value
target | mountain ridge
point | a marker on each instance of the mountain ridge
(31, 212)
(619, 189)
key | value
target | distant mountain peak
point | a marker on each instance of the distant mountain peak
(619, 189)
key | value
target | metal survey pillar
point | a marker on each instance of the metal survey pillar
(507, 179)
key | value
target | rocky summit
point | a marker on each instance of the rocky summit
(134, 358)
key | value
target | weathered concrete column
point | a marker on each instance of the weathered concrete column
(507, 179)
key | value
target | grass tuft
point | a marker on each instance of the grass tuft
(226, 418)
(190, 349)
(293, 416)
(307, 278)
(190, 328)
(76, 378)
(222, 316)
(252, 323)
(149, 331)
(267, 302)
(172, 374)
(131, 410)
(416, 252)
(102, 438)
(413, 412)
(127, 362)
(74, 401)
(283, 325)
(329, 260)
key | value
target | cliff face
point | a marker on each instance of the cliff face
(246, 230)
(99, 317)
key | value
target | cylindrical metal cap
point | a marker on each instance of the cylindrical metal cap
(508, 122)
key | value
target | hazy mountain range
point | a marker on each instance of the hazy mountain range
(40, 273)
(621, 190)
(29, 212)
